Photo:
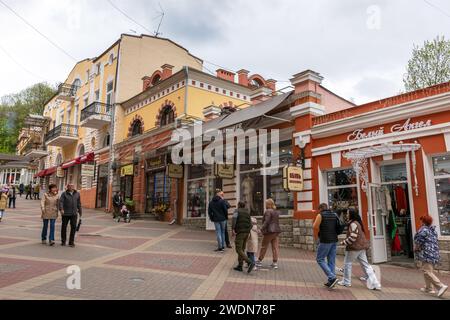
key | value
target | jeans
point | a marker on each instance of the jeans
(327, 251)
(220, 233)
(45, 229)
(241, 244)
(251, 256)
(73, 225)
(361, 256)
(2, 212)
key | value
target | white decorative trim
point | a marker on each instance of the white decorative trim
(447, 141)
(305, 196)
(307, 174)
(336, 158)
(228, 93)
(308, 163)
(305, 76)
(308, 108)
(388, 157)
(307, 185)
(305, 206)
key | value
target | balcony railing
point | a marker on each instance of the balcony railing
(96, 109)
(34, 148)
(63, 130)
(67, 91)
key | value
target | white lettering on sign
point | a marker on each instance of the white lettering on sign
(360, 134)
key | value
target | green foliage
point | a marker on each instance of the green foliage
(429, 65)
(15, 108)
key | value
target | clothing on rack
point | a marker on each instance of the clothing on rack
(400, 198)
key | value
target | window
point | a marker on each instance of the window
(109, 96)
(167, 116)
(137, 128)
(97, 95)
(86, 102)
(98, 68)
(88, 74)
(106, 141)
(342, 190)
(111, 58)
(75, 115)
(441, 166)
(156, 79)
(69, 116)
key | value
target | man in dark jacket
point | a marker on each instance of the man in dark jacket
(218, 213)
(242, 229)
(70, 207)
(326, 229)
(117, 203)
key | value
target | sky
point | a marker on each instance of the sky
(360, 47)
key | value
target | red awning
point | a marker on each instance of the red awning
(80, 160)
(87, 157)
(40, 174)
(71, 163)
(50, 171)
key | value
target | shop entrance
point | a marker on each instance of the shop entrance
(102, 186)
(158, 191)
(377, 218)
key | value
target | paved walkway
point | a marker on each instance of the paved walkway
(151, 260)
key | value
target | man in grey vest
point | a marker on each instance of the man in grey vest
(70, 207)
(326, 229)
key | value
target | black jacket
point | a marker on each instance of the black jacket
(70, 204)
(243, 221)
(218, 210)
(329, 227)
(117, 201)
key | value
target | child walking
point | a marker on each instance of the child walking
(252, 242)
(3, 203)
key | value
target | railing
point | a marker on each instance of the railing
(66, 130)
(34, 147)
(67, 90)
(96, 108)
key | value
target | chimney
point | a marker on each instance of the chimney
(166, 71)
(226, 75)
(306, 81)
(146, 83)
(271, 84)
(260, 95)
(211, 112)
(243, 77)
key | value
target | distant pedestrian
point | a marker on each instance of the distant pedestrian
(12, 197)
(3, 203)
(218, 213)
(70, 208)
(242, 230)
(49, 209)
(252, 242)
(426, 247)
(117, 204)
(37, 190)
(356, 247)
(227, 234)
(29, 191)
(271, 231)
(21, 189)
(327, 227)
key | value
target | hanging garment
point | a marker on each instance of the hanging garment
(388, 199)
(396, 244)
(400, 197)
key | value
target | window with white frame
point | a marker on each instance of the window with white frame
(342, 190)
(441, 167)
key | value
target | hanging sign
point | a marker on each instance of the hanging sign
(87, 170)
(59, 172)
(293, 179)
(156, 163)
(175, 171)
(224, 171)
(361, 134)
(127, 170)
(103, 171)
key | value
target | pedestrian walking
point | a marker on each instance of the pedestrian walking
(117, 204)
(21, 189)
(218, 213)
(356, 246)
(12, 197)
(70, 208)
(271, 231)
(227, 234)
(426, 247)
(252, 242)
(29, 191)
(49, 209)
(37, 190)
(327, 227)
(242, 230)
(3, 203)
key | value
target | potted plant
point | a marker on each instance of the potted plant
(161, 211)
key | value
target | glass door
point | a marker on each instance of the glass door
(377, 223)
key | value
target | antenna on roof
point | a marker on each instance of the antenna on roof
(161, 15)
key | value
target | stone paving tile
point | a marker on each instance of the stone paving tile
(13, 271)
(114, 243)
(205, 247)
(22, 233)
(79, 253)
(150, 225)
(5, 241)
(170, 262)
(103, 284)
(139, 232)
(195, 235)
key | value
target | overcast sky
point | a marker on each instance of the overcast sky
(361, 47)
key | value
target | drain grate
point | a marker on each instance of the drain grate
(138, 280)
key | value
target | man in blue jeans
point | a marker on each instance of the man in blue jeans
(326, 229)
(218, 213)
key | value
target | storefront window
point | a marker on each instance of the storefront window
(394, 172)
(126, 187)
(158, 190)
(342, 190)
(252, 192)
(284, 200)
(442, 181)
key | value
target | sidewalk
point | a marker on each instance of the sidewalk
(152, 260)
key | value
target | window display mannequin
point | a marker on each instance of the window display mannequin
(248, 186)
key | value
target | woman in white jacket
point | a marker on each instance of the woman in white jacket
(252, 242)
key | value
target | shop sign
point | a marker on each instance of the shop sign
(224, 171)
(361, 134)
(293, 179)
(127, 170)
(175, 171)
(87, 170)
(103, 171)
(59, 172)
(156, 162)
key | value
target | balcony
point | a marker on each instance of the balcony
(62, 135)
(35, 151)
(67, 92)
(96, 115)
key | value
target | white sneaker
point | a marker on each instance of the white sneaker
(342, 284)
(363, 279)
(425, 290)
(340, 270)
(274, 266)
(258, 264)
(442, 290)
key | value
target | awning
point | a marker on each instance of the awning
(46, 172)
(80, 160)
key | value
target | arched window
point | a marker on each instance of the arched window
(167, 116)
(156, 79)
(76, 85)
(81, 151)
(111, 58)
(59, 160)
(256, 83)
(137, 128)
(106, 141)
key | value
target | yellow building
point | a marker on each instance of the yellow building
(84, 119)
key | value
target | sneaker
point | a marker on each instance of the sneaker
(442, 290)
(52, 243)
(363, 279)
(274, 266)
(238, 268)
(72, 245)
(333, 283)
(251, 267)
(218, 250)
(63, 244)
(340, 270)
(259, 264)
(229, 246)
(343, 284)
(44, 241)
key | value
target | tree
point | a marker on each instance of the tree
(429, 65)
(15, 108)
